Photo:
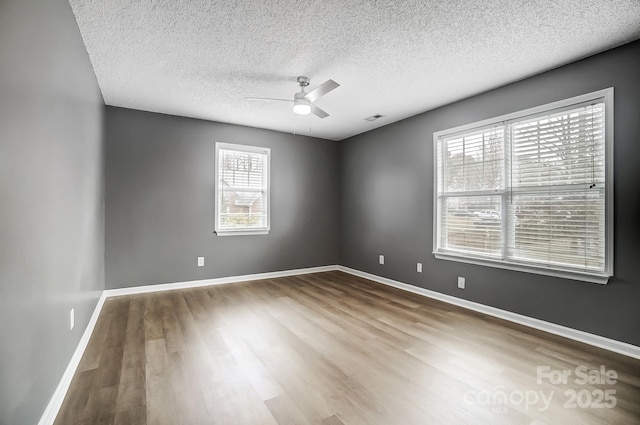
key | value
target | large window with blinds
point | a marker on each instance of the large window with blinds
(241, 190)
(530, 191)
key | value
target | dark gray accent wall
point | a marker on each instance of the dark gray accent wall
(387, 203)
(51, 200)
(160, 175)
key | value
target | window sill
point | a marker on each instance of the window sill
(566, 274)
(248, 232)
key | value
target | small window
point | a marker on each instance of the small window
(530, 191)
(242, 190)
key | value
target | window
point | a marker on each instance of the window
(242, 190)
(530, 191)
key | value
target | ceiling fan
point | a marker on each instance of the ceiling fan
(303, 101)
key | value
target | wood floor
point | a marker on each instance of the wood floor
(334, 349)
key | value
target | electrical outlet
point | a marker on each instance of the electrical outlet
(72, 319)
(419, 267)
(200, 261)
(461, 282)
(382, 259)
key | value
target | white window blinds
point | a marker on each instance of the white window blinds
(530, 191)
(242, 189)
(558, 185)
(473, 172)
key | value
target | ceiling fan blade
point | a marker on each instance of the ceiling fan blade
(268, 98)
(318, 112)
(321, 90)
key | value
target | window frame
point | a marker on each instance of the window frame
(606, 96)
(247, 231)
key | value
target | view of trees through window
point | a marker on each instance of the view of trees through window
(530, 190)
(242, 189)
(474, 163)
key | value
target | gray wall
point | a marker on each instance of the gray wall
(51, 200)
(160, 201)
(387, 203)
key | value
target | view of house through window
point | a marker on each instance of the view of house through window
(242, 189)
(530, 191)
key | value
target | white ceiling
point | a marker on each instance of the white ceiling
(201, 58)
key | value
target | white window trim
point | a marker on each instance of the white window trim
(600, 278)
(248, 231)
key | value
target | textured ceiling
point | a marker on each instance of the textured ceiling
(201, 58)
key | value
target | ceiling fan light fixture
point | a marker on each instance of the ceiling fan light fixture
(301, 106)
(303, 101)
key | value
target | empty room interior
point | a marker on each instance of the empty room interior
(319, 212)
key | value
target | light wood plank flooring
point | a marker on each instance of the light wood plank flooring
(334, 349)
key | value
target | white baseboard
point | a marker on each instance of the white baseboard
(585, 337)
(216, 281)
(50, 413)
